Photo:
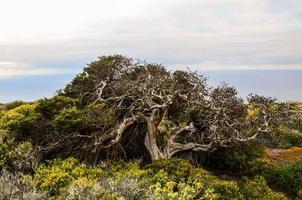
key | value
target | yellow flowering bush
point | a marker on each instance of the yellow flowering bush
(60, 174)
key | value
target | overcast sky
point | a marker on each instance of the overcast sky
(59, 37)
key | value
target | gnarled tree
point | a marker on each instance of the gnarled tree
(175, 111)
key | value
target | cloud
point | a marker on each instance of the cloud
(211, 65)
(233, 34)
(14, 69)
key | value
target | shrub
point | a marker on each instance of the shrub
(120, 170)
(163, 180)
(287, 177)
(13, 104)
(107, 188)
(51, 107)
(127, 188)
(6, 145)
(299, 195)
(79, 190)
(20, 157)
(69, 179)
(178, 179)
(24, 158)
(99, 114)
(236, 159)
(174, 190)
(227, 190)
(289, 139)
(70, 120)
(13, 187)
(92, 118)
(257, 188)
(20, 120)
(59, 174)
(176, 169)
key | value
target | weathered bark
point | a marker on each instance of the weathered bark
(172, 147)
(150, 138)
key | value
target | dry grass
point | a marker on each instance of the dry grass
(279, 156)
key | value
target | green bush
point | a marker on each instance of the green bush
(92, 118)
(59, 174)
(100, 115)
(289, 139)
(169, 179)
(120, 170)
(51, 107)
(6, 145)
(227, 190)
(13, 104)
(176, 169)
(162, 180)
(299, 195)
(257, 188)
(178, 179)
(236, 159)
(20, 120)
(70, 120)
(18, 157)
(286, 177)
(24, 158)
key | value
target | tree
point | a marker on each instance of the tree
(174, 111)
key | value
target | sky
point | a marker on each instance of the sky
(43, 44)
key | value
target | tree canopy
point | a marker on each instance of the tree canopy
(133, 107)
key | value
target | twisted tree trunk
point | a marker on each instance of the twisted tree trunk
(150, 138)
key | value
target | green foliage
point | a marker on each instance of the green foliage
(107, 189)
(13, 104)
(99, 115)
(286, 177)
(236, 159)
(299, 195)
(6, 145)
(121, 170)
(24, 157)
(19, 120)
(51, 107)
(59, 174)
(175, 168)
(254, 189)
(162, 180)
(227, 190)
(69, 179)
(70, 119)
(92, 117)
(298, 117)
(299, 127)
(19, 157)
(289, 139)
(178, 179)
(106, 67)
